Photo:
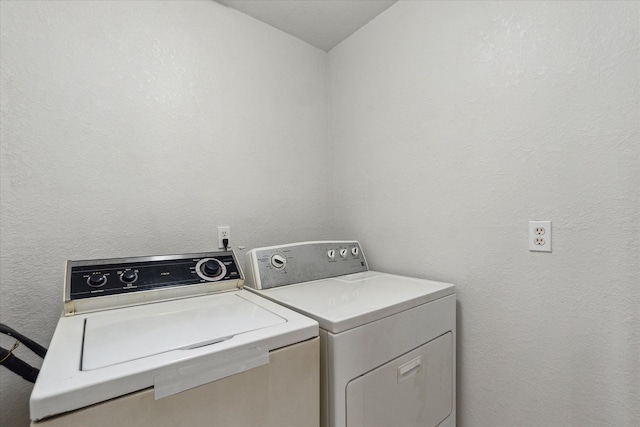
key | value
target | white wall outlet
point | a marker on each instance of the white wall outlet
(540, 236)
(224, 232)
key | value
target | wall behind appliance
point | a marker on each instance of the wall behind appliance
(135, 128)
(455, 123)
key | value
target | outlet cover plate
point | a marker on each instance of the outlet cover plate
(224, 232)
(540, 236)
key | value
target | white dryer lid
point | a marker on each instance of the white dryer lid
(345, 302)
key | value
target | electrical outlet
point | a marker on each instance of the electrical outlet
(540, 236)
(224, 232)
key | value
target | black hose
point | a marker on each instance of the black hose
(17, 366)
(32, 345)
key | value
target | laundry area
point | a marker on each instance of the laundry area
(431, 220)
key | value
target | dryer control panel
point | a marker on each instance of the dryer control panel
(99, 284)
(282, 265)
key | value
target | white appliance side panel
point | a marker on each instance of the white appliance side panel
(414, 389)
(357, 351)
(324, 379)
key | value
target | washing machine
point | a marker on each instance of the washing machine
(387, 342)
(175, 341)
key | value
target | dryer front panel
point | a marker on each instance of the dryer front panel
(414, 389)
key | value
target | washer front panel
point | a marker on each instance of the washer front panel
(94, 285)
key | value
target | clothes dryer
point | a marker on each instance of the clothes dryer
(387, 342)
(174, 341)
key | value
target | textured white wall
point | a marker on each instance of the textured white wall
(135, 128)
(455, 123)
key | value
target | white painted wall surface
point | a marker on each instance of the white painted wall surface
(455, 123)
(135, 128)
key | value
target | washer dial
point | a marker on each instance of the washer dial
(129, 276)
(211, 269)
(96, 280)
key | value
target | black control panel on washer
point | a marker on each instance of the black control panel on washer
(126, 275)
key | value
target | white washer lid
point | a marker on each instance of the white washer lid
(345, 302)
(113, 337)
(62, 386)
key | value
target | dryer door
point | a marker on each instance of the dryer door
(414, 389)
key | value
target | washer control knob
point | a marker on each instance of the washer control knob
(343, 253)
(211, 268)
(96, 280)
(128, 276)
(331, 253)
(278, 261)
(355, 251)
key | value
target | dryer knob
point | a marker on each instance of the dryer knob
(211, 268)
(278, 261)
